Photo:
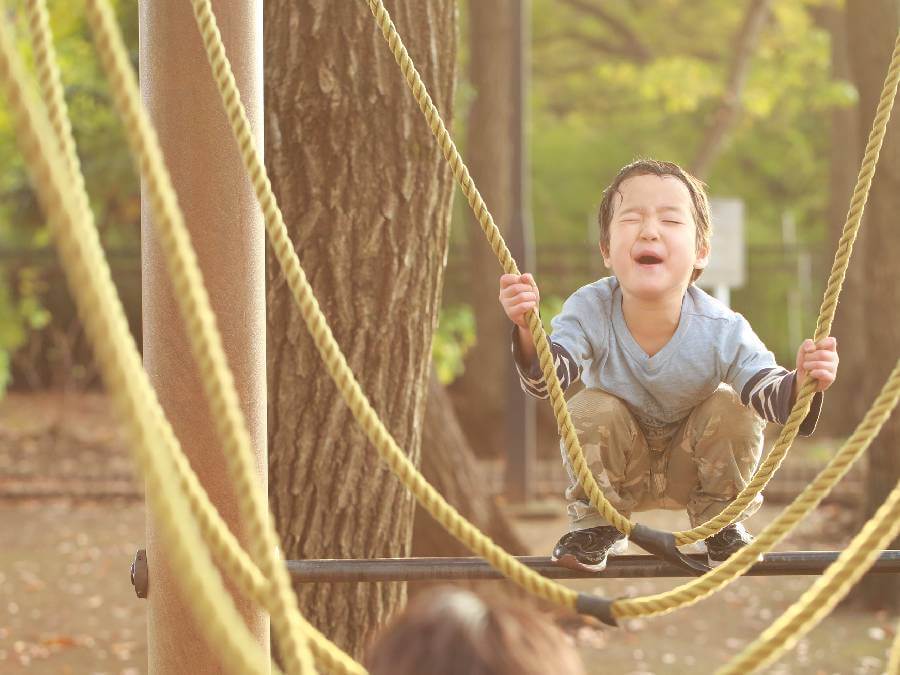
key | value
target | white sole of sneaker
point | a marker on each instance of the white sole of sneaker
(620, 547)
(572, 563)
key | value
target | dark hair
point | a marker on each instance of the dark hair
(653, 167)
(449, 632)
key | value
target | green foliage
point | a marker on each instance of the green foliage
(454, 336)
(105, 162)
(550, 307)
(614, 108)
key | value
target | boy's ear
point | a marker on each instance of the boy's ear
(604, 251)
(702, 258)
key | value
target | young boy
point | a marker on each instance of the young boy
(678, 388)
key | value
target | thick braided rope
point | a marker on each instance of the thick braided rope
(242, 144)
(228, 551)
(826, 312)
(495, 239)
(801, 408)
(673, 599)
(332, 357)
(117, 357)
(204, 339)
(225, 547)
(824, 595)
(713, 581)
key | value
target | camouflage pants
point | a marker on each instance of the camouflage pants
(699, 464)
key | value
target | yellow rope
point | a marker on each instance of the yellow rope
(679, 596)
(824, 595)
(826, 312)
(117, 357)
(495, 239)
(560, 409)
(287, 257)
(205, 341)
(226, 549)
(332, 357)
(812, 495)
(316, 323)
(215, 532)
(472, 195)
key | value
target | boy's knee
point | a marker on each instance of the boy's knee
(725, 412)
(593, 407)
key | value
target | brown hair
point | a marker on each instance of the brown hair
(448, 632)
(653, 167)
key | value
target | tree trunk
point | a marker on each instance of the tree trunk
(479, 395)
(449, 465)
(872, 29)
(845, 405)
(366, 196)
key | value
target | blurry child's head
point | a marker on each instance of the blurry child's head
(655, 228)
(448, 632)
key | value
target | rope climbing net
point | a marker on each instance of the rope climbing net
(192, 528)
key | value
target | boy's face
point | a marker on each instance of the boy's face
(653, 238)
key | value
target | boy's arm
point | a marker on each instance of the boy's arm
(531, 378)
(761, 383)
(518, 296)
(772, 393)
(523, 340)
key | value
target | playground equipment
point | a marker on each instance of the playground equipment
(196, 533)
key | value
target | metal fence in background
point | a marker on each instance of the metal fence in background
(780, 300)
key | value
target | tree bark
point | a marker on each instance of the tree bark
(845, 405)
(449, 465)
(479, 395)
(872, 29)
(366, 196)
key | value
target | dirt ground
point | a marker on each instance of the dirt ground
(71, 517)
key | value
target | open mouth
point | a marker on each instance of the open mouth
(649, 260)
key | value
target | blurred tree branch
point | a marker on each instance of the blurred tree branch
(730, 105)
(631, 46)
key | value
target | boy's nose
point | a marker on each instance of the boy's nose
(650, 230)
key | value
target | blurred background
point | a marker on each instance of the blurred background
(770, 103)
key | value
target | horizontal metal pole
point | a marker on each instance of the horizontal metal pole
(619, 567)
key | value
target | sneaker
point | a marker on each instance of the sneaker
(730, 539)
(588, 549)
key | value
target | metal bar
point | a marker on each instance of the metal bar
(619, 567)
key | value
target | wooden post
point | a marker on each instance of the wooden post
(521, 417)
(227, 232)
